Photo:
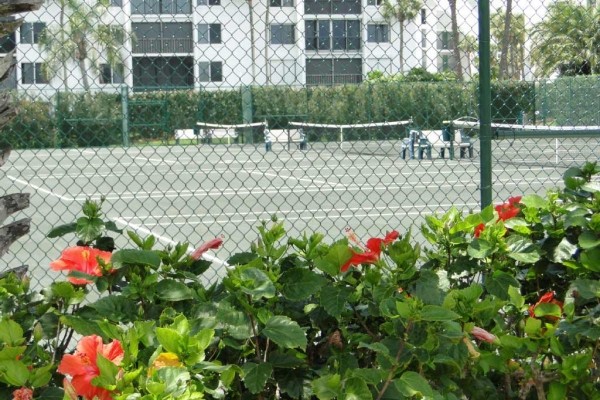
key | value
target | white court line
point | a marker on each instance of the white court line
(164, 239)
(297, 189)
(355, 212)
(40, 189)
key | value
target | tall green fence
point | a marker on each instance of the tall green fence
(203, 118)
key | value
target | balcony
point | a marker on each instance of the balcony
(158, 45)
(333, 80)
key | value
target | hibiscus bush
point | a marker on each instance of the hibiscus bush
(501, 304)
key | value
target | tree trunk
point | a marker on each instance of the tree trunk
(252, 41)
(401, 50)
(503, 73)
(61, 20)
(456, 40)
(81, 57)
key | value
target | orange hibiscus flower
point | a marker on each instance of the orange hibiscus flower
(371, 252)
(83, 259)
(546, 298)
(82, 367)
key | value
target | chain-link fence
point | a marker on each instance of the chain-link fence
(201, 118)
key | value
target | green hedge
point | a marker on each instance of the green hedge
(71, 120)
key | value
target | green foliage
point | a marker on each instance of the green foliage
(510, 310)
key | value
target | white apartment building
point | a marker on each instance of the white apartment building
(212, 44)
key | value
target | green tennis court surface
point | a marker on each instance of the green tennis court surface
(195, 193)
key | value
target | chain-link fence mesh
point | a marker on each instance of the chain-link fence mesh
(201, 118)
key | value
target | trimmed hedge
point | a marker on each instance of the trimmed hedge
(72, 120)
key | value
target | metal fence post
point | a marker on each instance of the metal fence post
(247, 112)
(125, 113)
(485, 103)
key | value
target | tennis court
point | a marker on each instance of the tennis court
(197, 192)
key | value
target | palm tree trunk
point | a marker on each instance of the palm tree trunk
(401, 46)
(267, 31)
(456, 40)
(503, 73)
(65, 78)
(252, 40)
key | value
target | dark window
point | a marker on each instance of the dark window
(209, 2)
(209, 33)
(332, 6)
(109, 74)
(281, 3)
(336, 34)
(7, 43)
(318, 35)
(32, 73)
(378, 33)
(165, 37)
(423, 16)
(423, 39)
(374, 2)
(282, 34)
(163, 72)
(339, 71)
(211, 71)
(161, 7)
(116, 3)
(30, 32)
(445, 41)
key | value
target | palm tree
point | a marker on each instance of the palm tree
(469, 46)
(503, 72)
(401, 10)
(569, 36)
(80, 33)
(456, 39)
(511, 45)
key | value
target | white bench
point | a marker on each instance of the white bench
(285, 136)
(206, 134)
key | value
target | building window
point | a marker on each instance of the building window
(281, 3)
(163, 72)
(423, 16)
(374, 2)
(209, 33)
(332, 7)
(423, 39)
(446, 63)
(445, 41)
(338, 71)
(282, 34)
(332, 34)
(161, 7)
(7, 43)
(209, 2)
(211, 71)
(32, 73)
(116, 3)
(31, 32)
(110, 74)
(378, 33)
(162, 37)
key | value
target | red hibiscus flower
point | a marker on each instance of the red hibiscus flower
(83, 259)
(23, 394)
(82, 367)
(371, 252)
(509, 209)
(546, 298)
(210, 245)
(478, 229)
(483, 335)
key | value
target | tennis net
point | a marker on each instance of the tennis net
(237, 133)
(375, 138)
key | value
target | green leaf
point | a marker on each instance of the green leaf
(356, 388)
(256, 283)
(300, 283)
(62, 230)
(333, 299)
(172, 290)
(108, 373)
(522, 250)
(411, 384)
(148, 258)
(548, 309)
(563, 251)
(534, 201)
(111, 226)
(515, 297)
(241, 258)
(13, 372)
(171, 340)
(336, 257)
(285, 332)
(41, 376)
(591, 187)
(88, 229)
(557, 391)
(437, 313)
(533, 327)
(256, 376)
(327, 387)
(498, 284)
(586, 288)
(115, 308)
(11, 333)
(588, 239)
(479, 248)
(590, 259)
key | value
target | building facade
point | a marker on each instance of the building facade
(212, 44)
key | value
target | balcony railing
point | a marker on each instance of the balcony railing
(158, 45)
(332, 80)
